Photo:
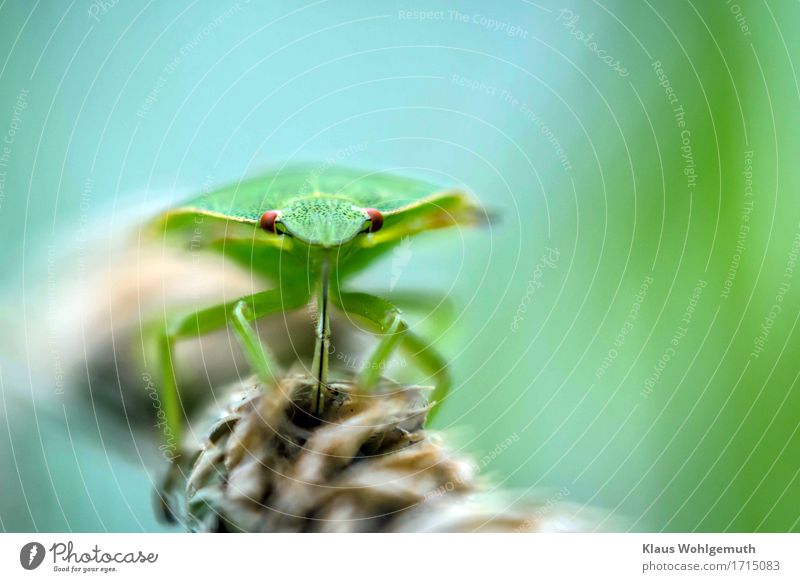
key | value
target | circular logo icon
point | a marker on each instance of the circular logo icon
(31, 555)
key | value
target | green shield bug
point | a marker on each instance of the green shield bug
(307, 232)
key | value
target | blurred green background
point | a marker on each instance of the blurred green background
(630, 320)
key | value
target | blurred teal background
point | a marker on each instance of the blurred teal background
(630, 319)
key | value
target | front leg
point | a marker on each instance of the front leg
(388, 319)
(240, 314)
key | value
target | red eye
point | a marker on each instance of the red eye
(268, 220)
(375, 219)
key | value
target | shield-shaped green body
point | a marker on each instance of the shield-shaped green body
(321, 211)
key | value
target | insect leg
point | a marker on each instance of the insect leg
(240, 313)
(437, 310)
(432, 362)
(242, 318)
(388, 319)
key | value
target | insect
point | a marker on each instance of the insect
(308, 232)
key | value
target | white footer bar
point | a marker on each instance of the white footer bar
(333, 557)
